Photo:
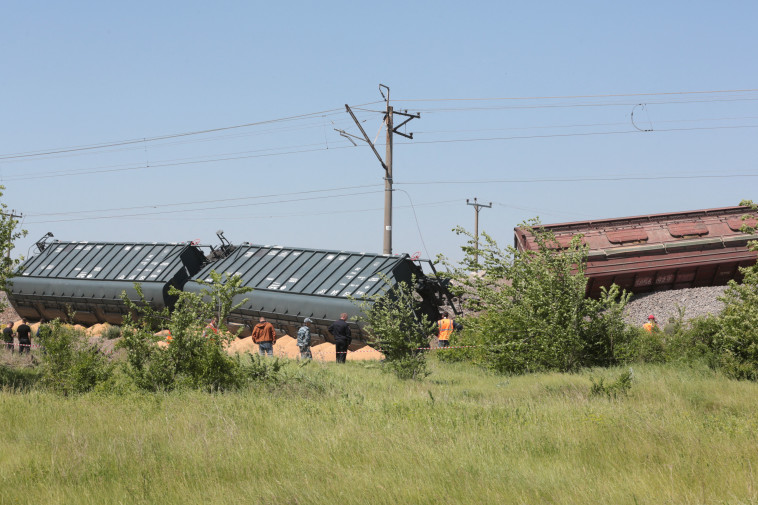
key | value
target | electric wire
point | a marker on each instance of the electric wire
(169, 136)
(163, 145)
(581, 179)
(103, 145)
(577, 105)
(584, 134)
(118, 168)
(575, 96)
(306, 214)
(418, 226)
(200, 202)
(199, 209)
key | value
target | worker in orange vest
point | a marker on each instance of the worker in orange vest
(212, 328)
(445, 328)
(651, 325)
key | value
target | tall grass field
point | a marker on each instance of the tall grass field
(350, 434)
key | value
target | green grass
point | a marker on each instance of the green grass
(350, 434)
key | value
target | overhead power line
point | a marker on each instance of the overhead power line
(142, 140)
(200, 202)
(614, 95)
(29, 154)
(235, 157)
(200, 209)
(579, 179)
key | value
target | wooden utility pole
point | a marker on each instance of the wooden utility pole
(477, 207)
(387, 162)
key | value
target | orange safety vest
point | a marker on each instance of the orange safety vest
(650, 327)
(445, 329)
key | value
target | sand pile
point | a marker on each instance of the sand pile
(364, 353)
(242, 345)
(98, 329)
(323, 352)
(286, 347)
(356, 352)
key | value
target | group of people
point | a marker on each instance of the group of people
(264, 335)
(24, 334)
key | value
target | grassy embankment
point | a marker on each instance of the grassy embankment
(353, 435)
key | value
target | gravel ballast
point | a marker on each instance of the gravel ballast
(663, 304)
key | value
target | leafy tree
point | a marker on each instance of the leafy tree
(8, 236)
(529, 310)
(396, 328)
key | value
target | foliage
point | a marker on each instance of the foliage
(8, 235)
(529, 310)
(221, 290)
(18, 378)
(397, 327)
(736, 342)
(737, 339)
(612, 390)
(112, 332)
(70, 363)
(190, 356)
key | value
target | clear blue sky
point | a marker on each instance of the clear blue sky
(87, 73)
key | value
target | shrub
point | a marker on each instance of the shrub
(529, 308)
(395, 325)
(112, 332)
(70, 363)
(612, 390)
(191, 359)
(735, 343)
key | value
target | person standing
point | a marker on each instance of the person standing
(24, 332)
(8, 337)
(445, 327)
(651, 325)
(342, 337)
(304, 339)
(212, 328)
(265, 336)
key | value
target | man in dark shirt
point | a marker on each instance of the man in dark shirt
(342, 337)
(24, 333)
(8, 337)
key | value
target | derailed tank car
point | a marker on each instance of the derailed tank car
(87, 278)
(290, 284)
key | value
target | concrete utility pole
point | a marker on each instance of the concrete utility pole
(477, 207)
(387, 162)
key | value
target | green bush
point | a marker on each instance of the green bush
(70, 363)
(642, 347)
(191, 359)
(615, 389)
(529, 310)
(397, 327)
(112, 332)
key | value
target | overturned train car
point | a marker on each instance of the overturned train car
(87, 279)
(289, 284)
(659, 251)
